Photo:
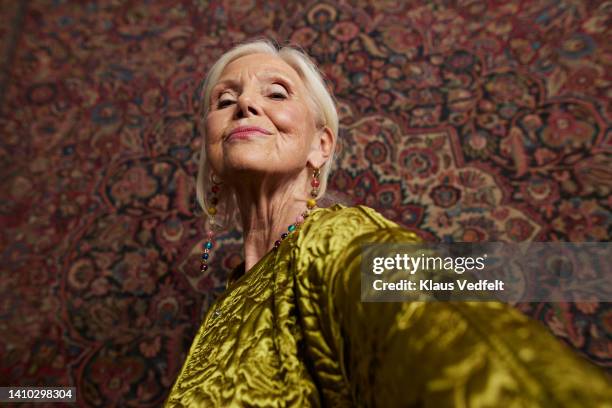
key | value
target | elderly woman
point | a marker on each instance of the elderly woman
(290, 330)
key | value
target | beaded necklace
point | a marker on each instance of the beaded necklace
(212, 211)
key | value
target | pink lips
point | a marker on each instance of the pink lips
(244, 132)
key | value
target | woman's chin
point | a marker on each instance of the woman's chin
(242, 164)
(246, 147)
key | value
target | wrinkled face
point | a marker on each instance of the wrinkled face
(262, 91)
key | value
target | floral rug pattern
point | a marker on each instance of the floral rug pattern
(461, 120)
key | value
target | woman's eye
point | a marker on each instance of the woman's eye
(224, 103)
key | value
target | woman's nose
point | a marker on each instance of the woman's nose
(247, 106)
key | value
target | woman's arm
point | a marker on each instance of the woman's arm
(471, 354)
(459, 354)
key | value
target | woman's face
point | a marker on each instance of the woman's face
(263, 91)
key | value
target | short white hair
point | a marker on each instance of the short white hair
(322, 101)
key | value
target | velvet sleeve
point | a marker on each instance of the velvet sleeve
(432, 354)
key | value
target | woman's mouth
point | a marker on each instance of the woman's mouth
(247, 132)
(244, 135)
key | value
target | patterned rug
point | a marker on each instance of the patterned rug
(461, 120)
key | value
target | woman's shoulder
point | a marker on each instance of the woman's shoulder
(351, 216)
(339, 224)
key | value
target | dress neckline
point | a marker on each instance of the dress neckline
(239, 271)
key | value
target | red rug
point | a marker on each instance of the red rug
(465, 121)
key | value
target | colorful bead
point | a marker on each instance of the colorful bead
(310, 204)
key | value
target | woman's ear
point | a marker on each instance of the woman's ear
(322, 146)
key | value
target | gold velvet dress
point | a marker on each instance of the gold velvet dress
(292, 332)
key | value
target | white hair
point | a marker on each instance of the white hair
(322, 102)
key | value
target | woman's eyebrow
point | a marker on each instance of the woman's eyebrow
(278, 76)
(232, 83)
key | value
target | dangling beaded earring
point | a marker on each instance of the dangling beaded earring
(212, 211)
(315, 185)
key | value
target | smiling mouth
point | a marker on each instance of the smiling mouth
(245, 135)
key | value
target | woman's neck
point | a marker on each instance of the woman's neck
(266, 213)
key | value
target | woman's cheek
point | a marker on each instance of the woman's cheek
(214, 155)
(289, 120)
(214, 137)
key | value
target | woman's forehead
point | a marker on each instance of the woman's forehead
(261, 66)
